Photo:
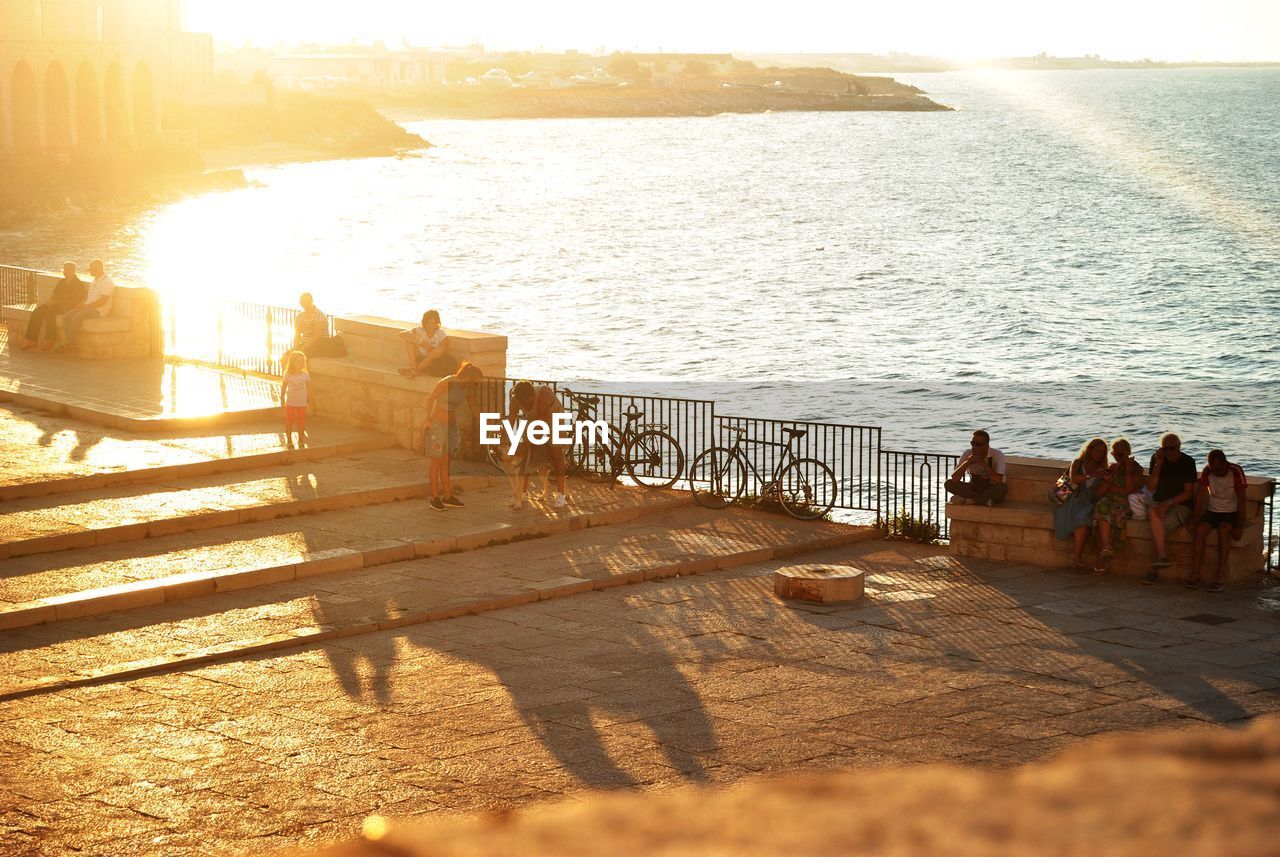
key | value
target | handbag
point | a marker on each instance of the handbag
(1060, 492)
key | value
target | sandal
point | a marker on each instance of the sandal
(1078, 565)
(1216, 586)
(1192, 583)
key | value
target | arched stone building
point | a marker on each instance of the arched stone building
(82, 75)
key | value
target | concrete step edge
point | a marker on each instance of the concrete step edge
(207, 520)
(192, 469)
(160, 590)
(460, 607)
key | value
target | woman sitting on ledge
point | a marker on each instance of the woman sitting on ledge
(1074, 518)
(1111, 513)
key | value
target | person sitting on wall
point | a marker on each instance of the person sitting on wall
(1074, 518)
(309, 327)
(68, 294)
(96, 304)
(1111, 512)
(427, 348)
(985, 466)
(1170, 491)
(1219, 507)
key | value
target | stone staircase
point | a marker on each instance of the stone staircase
(184, 564)
(1021, 530)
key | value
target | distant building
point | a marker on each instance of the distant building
(665, 69)
(83, 74)
(360, 67)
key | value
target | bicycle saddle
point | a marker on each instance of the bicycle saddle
(793, 432)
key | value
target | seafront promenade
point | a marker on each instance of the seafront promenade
(213, 644)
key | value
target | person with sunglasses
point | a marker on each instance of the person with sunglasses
(985, 466)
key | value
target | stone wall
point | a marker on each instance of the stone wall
(366, 389)
(1021, 530)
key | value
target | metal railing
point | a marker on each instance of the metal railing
(229, 334)
(17, 286)
(687, 420)
(1270, 541)
(851, 451)
(912, 494)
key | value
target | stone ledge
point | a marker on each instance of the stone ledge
(1111, 796)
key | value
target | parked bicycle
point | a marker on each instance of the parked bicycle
(806, 488)
(651, 456)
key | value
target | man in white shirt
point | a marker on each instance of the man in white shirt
(985, 466)
(97, 304)
(427, 349)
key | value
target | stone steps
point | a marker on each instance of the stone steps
(400, 594)
(82, 519)
(93, 581)
(148, 460)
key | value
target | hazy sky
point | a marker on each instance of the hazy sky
(1117, 29)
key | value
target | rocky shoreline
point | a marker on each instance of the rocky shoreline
(627, 102)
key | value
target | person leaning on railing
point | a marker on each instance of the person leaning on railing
(68, 294)
(985, 467)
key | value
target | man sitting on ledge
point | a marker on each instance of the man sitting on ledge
(97, 304)
(427, 348)
(985, 466)
(68, 294)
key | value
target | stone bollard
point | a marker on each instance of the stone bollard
(822, 584)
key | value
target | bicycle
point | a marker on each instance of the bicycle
(806, 488)
(651, 456)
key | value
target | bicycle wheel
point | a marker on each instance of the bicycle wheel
(654, 459)
(595, 459)
(807, 489)
(717, 477)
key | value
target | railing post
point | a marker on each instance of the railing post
(219, 334)
(270, 361)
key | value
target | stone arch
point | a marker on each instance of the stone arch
(88, 108)
(144, 103)
(24, 104)
(57, 109)
(117, 105)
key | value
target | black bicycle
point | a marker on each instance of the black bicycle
(806, 488)
(650, 455)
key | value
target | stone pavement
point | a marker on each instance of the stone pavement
(138, 394)
(704, 679)
(44, 453)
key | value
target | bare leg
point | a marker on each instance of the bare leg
(445, 486)
(1197, 550)
(1104, 546)
(1078, 538)
(411, 356)
(1155, 520)
(1224, 551)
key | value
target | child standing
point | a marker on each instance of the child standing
(295, 395)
